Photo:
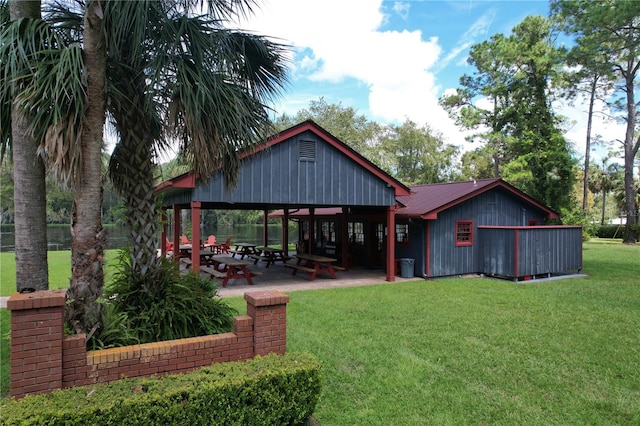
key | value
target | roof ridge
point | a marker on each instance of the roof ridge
(455, 182)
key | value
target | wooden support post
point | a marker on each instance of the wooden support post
(391, 243)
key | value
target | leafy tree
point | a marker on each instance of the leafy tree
(612, 27)
(587, 78)
(343, 122)
(419, 154)
(16, 53)
(515, 74)
(478, 164)
(602, 180)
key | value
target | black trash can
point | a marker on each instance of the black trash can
(407, 267)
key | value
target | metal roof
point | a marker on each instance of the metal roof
(426, 201)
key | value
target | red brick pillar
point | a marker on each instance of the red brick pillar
(269, 312)
(37, 330)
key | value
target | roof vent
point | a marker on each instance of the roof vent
(307, 150)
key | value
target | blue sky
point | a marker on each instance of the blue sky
(390, 60)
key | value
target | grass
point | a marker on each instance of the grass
(59, 263)
(477, 351)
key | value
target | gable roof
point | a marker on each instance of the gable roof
(426, 201)
(188, 180)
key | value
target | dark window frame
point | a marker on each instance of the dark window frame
(405, 234)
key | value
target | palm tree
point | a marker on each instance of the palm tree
(64, 90)
(16, 140)
(170, 77)
(183, 79)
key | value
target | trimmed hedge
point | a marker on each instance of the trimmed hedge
(610, 231)
(269, 390)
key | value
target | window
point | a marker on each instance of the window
(402, 232)
(328, 231)
(464, 233)
(356, 232)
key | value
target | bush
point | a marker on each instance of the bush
(576, 217)
(610, 231)
(270, 390)
(164, 306)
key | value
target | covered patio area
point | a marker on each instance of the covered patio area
(303, 167)
(279, 277)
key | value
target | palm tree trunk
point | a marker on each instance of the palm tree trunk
(135, 184)
(30, 200)
(88, 235)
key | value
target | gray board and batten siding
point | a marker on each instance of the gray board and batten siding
(540, 251)
(496, 207)
(301, 171)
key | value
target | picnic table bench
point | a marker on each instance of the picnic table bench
(269, 255)
(227, 268)
(314, 264)
(243, 249)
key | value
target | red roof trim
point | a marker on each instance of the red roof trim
(187, 180)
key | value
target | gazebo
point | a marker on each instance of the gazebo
(303, 167)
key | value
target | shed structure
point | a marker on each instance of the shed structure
(301, 167)
(485, 226)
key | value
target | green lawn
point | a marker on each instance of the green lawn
(477, 351)
(59, 263)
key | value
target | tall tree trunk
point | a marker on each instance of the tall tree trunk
(630, 151)
(88, 235)
(587, 151)
(136, 185)
(132, 173)
(604, 199)
(30, 194)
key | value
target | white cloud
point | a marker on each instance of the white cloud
(345, 41)
(336, 41)
(402, 9)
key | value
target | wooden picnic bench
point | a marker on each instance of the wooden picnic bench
(269, 255)
(314, 264)
(299, 268)
(243, 249)
(227, 268)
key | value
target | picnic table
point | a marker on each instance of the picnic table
(227, 268)
(243, 249)
(314, 264)
(205, 256)
(269, 255)
(216, 248)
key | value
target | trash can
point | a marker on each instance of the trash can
(406, 267)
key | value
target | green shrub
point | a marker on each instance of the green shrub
(576, 217)
(610, 231)
(164, 306)
(270, 390)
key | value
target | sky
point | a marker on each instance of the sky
(392, 60)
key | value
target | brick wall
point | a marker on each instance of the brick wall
(44, 359)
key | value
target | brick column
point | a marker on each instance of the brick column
(269, 312)
(37, 331)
